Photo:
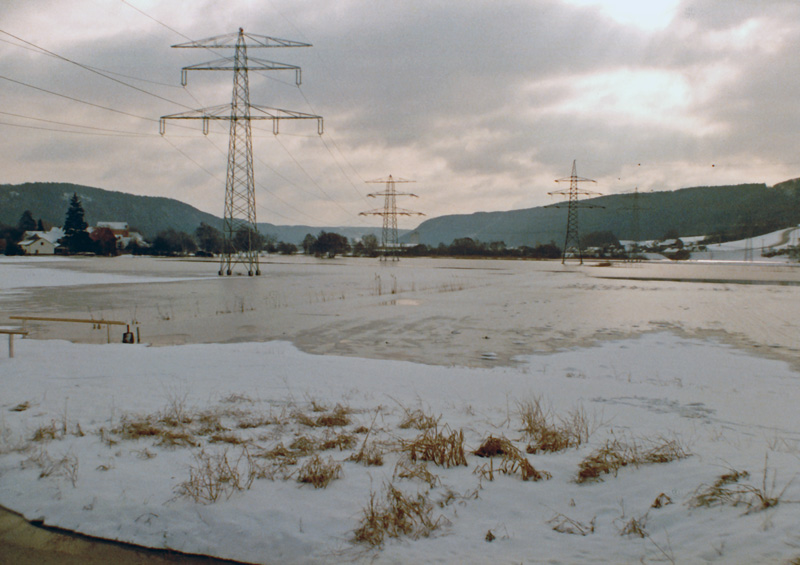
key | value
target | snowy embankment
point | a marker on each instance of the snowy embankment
(204, 449)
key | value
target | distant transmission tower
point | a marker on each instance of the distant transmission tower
(390, 243)
(240, 230)
(573, 235)
(635, 209)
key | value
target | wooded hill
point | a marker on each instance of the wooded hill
(746, 209)
(147, 214)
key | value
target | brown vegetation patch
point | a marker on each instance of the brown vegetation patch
(395, 515)
(616, 454)
(550, 434)
(493, 446)
(728, 489)
(442, 447)
(418, 420)
(319, 473)
(406, 469)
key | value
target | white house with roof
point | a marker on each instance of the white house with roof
(41, 242)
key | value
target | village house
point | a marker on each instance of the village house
(41, 242)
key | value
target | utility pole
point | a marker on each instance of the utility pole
(573, 234)
(390, 244)
(241, 240)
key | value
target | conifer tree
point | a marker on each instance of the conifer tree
(76, 238)
(26, 221)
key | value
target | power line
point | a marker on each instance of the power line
(113, 132)
(92, 70)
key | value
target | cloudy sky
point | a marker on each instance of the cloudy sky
(484, 103)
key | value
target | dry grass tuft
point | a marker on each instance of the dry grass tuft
(442, 447)
(512, 463)
(727, 489)
(229, 438)
(616, 454)
(250, 422)
(370, 455)
(566, 525)
(339, 417)
(635, 527)
(303, 446)
(661, 501)
(493, 446)
(418, 420)
(214, 475)
(319, 473)
(280, 453)
(66, 466)
(396, 515)
(338, 441)
(548, 435)
(406, 469)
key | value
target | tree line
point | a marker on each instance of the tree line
(209, 241)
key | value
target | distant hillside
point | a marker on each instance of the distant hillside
(149, 214)
(690, 211)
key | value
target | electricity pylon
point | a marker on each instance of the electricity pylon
(635, 208)
(240, 231)
(573, 234)
(390, 243)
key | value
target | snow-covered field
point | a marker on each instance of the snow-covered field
(117, 440)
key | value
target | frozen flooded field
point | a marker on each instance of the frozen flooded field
(687, 375)
(426, 310)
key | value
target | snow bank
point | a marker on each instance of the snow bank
(729, 409)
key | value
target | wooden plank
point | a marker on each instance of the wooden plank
(14, 332)
(72, 320)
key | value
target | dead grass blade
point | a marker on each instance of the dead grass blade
(406, 469)
(551, 434)
(319, 473)
(395, 515)
(566, 525)
(616, 454)
(512, 463)
(727, 489)
(442, 447)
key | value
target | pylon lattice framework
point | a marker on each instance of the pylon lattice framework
(635, 226)
(573, 233)
(390, 243)
(240, 230)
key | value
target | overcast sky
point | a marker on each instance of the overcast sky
(484, 103)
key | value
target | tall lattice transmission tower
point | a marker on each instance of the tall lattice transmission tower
(390, 243)
(635, 223)
(573, 239)
(240, 230)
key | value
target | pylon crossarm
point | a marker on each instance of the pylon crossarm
(229, 41)
(389, 179)
(229, 64)
(223, 112)
(376, 194)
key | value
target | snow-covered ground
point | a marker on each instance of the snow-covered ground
(669, 364)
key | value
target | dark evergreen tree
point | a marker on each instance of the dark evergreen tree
(40, 225)
(76, 238)
(26, 222)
